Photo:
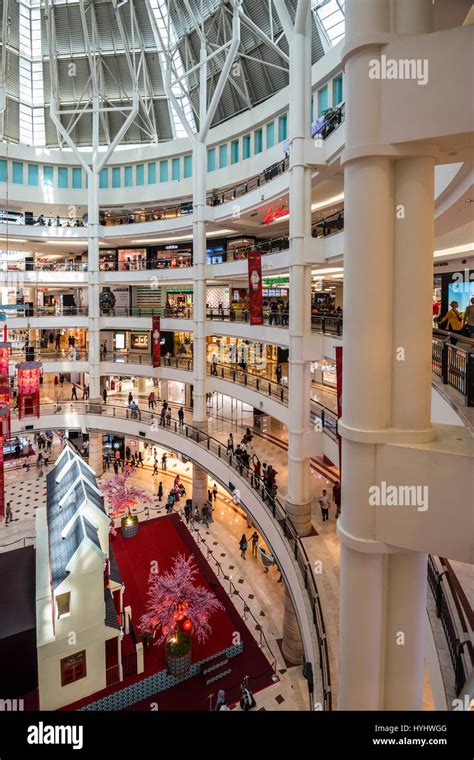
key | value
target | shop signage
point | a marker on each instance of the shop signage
(273, 214)
(271, 282)
(255, 287)
(156, 336)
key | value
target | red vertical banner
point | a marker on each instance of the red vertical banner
(339, 398)
(156, 340)
(255, 287)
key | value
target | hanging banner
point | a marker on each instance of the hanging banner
(156, 340)
(255, 287)
(339, 399)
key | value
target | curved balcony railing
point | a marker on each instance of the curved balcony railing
(330, 225)
(185, 208)
(217, 197)
(454, 364)
(322, 417)
(132, 357)
(269, 501)
(457, 628)
(185, 312)
(28, 310)
(78, 353)
(45, 266)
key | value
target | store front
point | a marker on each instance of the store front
(239, 304)
(216, 297)
(216, 252)
(323, 372)
(238, 248)
(179, 302)
(172, 256)
(131, 259)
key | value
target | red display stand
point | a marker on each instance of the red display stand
(4, 366)
(28, 389)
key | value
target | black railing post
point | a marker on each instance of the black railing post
(470, 379)
(444, 363)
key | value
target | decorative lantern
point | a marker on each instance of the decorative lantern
(187, 625)
(4, 433)
(4, 358)
(29, 389)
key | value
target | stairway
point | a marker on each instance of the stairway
(215, 668)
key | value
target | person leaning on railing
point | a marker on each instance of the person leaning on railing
(453, 321)
(468, 318)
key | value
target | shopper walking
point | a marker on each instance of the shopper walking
(243, 546)
(324, 504)
(104, 395)
(254, 538)
(160, 491)
(278, 373)
(336, 495)
(181, 416)
(8, 513)
(163, 462)
(73, 393)
(230, 444)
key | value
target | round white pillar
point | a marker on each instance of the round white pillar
(199, 294)
(360, 629)
(412, 293)
(164, 390)
(406, 592)
(199, 486)
(413, 16)
(298, 499)
(96, 457)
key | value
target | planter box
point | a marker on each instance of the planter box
(129, 529)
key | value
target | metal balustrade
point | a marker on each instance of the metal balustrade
(268, 500)
(28, 310)
(456, 629)
(454, 363)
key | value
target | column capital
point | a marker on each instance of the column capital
(386, 435)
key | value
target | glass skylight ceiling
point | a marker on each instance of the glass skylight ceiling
(331, 14)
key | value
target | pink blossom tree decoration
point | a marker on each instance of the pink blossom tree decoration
(121, 496)
(174, 598)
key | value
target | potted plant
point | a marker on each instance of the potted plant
(178, 608)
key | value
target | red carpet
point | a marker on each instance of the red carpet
(161, 540)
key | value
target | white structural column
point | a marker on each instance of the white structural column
(199, 260)
(298, 501)
(96, 460)
(93, 258)
(386, 370)
(199, 142)
(199, 486)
